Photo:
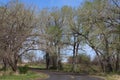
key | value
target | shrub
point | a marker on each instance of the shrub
(23, 69)
(53, 68)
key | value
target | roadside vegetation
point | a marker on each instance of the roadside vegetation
(113, 77)
(28, 76)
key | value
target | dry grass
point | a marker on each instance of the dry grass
(105, 76)
(113, 77)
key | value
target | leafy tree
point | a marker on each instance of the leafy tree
(95, 29)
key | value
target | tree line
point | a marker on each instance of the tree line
(95, 23)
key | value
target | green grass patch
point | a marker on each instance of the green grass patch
(82, 68)
(41, 66)
(23, 69)
(27, 76)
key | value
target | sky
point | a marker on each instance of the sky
(49, 3)
(54, 3)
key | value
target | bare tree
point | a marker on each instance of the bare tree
(17, 23)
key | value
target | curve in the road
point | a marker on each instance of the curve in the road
(63, 76)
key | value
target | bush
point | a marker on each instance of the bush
(23, 69)
(53, 68)
(3, 69)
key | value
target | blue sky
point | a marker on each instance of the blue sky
(53, 3)
(49, 3)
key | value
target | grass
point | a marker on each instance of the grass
(82, 68)
(41, 66)
(28, 76)
(112, 77)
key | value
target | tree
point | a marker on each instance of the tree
(52, 33)
(17, 23)
(81, 59)
(95, 28)
(30, 57)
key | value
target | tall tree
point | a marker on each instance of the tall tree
(17, 23)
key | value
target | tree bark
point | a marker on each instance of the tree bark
(60, 67)
(74, 56)
(117, 62)
(47, 60)
(4, 64)
(108, 62)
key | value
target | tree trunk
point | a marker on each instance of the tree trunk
(108, 65)
(47, 60)
(13, 63)
(59, 61)
(117, 62)
(108, 60)
(14, 67)
(74, 56)
(54, 62)
(100, 61)
(4, 64)
(117, 66)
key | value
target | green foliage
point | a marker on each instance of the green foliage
(27, 76)
(67, 67)
(3, 69)
(55, 33)
(67, 11)
(23, 69)
(83, 58)
(53, 68)
(82, 68)
(36, 65)
(54, 30)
